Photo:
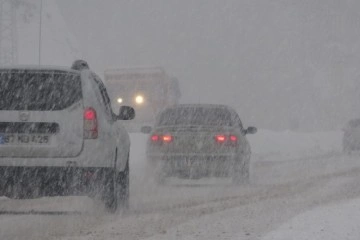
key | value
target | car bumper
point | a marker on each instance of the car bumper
(31, 182)
(92, 155)
(203, 165)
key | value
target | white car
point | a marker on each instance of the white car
(59, 136)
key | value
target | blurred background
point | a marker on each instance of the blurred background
(282, 64)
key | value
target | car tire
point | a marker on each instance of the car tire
(194, 173)
(124, 187)
(157, 172)
(160, 177)
(9, 190)
(18, 191)
(117, 190)
(241, 173)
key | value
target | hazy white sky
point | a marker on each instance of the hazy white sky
(279, 63)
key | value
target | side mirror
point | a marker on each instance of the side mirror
(126, 113)
(251, 130)
(146, 129)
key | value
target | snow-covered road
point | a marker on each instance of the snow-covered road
(282, 187)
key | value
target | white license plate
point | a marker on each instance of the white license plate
(183, 163)
(24, 139)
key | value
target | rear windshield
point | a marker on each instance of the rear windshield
(35, 90)
(195, 116)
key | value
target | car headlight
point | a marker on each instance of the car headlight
(119, 100)
(139, 99)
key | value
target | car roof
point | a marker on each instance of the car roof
(38, 67)
(202, 105)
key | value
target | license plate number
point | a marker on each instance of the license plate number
(24, 139)
(184, 163)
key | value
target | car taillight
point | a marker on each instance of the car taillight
(167, 138)
(233, 138)
(90, 124)
(155, 138)
(220, 138)
(226, 139)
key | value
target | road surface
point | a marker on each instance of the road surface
(280, 189)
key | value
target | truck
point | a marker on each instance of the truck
(148, 90)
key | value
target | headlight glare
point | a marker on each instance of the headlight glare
(139, 99)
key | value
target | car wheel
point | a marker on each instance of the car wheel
(160, 176)
(117, 190)
(194, 173)
(124, 187)
(8, 190)
(18, 191)
(241, 173)
(157, 172)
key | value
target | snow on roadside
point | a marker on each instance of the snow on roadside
(266, 144)
(340, 221)
(332, 222)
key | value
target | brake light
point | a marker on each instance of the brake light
(90, 124)
(226, 139)
(155, 138)
(220, 138)
(90, 114)
(167, 138)
(233, 138)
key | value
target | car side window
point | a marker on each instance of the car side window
(105, 97)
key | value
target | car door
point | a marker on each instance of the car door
(244, 143)
(116, 133)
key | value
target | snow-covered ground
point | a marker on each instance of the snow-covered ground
(297, 191)
(287, 144)
(333, 222)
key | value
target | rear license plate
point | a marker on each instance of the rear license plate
(24, 139)
(184, 163)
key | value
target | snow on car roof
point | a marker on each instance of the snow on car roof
(37, 67)
(202, 105)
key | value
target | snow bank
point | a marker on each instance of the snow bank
(340, 221)
(334, 222)
(287, 144)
